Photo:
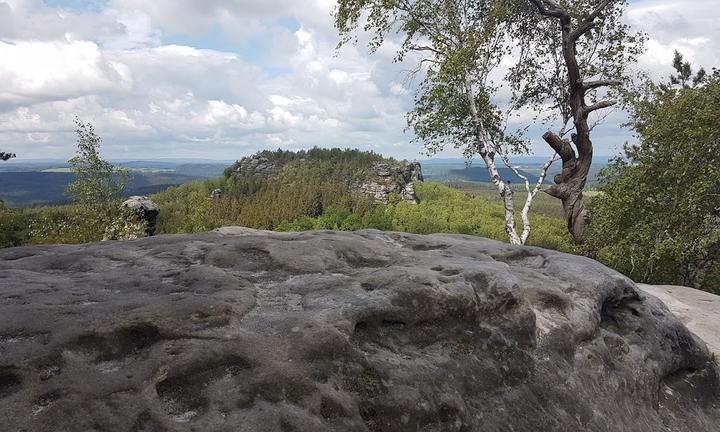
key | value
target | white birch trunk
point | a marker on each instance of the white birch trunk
(488, 157)
(525, 214)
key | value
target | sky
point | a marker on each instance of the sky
(221, 79)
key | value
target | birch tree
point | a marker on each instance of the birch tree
(455, 45)
(571, 52)
(97, 182)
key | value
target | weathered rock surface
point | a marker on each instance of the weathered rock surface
(145, 210)
(255, 165)
(386, 180)
(243, 330)
(216, 194)
(698, 310)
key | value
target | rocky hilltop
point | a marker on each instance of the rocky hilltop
(255, 165)
(324, 331)
(379, 178)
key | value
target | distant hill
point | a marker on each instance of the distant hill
(481, 174)
(449, 170)
(38, 182)
(21, 189)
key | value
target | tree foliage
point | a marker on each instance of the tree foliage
(684, 77)
(604, 54)
(97, 182)
(658, 218)
(571, 50)
(456, 46)
(6, 156)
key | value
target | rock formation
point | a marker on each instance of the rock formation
(255, 165)
(385, 180)
(145, 210)
(698, 310)
(381, 180)
(244, 330)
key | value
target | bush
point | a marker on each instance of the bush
(14, 227)
(441, 210)
(658, 218)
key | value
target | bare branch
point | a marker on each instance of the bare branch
(590, 85)
(580, 30)
(601, 118)
(426, 48)
(561, 146)
(506, 161)
(598, 10)
(588, 23)
(531, 195)
(555, 12)
(599, 105)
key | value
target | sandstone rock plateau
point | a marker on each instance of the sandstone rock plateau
(243, 330)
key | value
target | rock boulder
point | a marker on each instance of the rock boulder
(244, 330)
(145, 210)
(698, 310)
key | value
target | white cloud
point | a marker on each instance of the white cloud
(398, 89)
(339, 77)
(264, 73)
(37, 71)
(688, 26)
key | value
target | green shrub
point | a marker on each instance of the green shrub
(14, 227)
(658, 218)
(441, 210)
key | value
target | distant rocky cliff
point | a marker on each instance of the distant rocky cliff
(245, 330)
(255, 165)
(382, 180)
(386, 181)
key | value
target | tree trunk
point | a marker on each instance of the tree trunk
(488, 156)
(575, 167)
(569, 184)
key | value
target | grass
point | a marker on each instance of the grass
(442, 209)
(543, 204)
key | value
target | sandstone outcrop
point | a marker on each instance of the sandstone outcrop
(145, 210)
(245, 330)
(698, 310)
(387, 180)
(255, 165)
(382, 181)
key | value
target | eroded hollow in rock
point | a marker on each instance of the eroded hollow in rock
(126, 341)
(10, 382)
(187, 393)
